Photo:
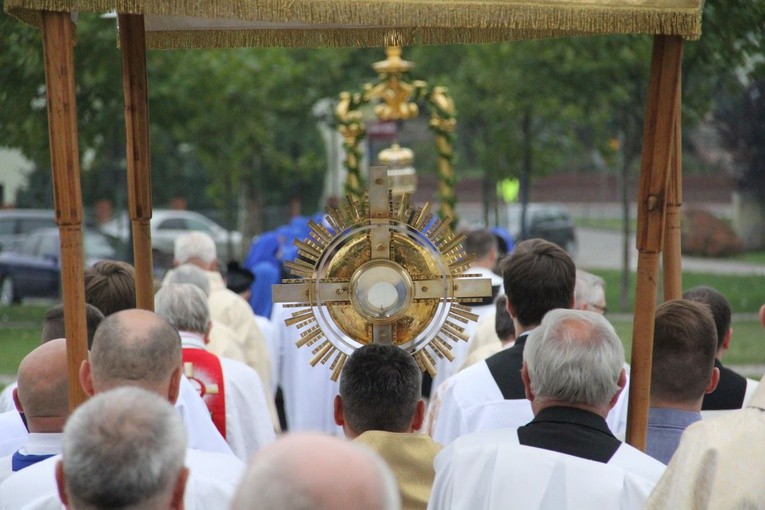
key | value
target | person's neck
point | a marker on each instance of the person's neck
(661, 403)
(520, 329)
(46, 425)
(538, 405)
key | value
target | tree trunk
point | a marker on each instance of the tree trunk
(526, 170)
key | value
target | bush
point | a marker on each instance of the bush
(705, 235)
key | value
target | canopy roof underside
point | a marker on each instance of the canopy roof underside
(307, 23)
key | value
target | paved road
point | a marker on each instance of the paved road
(602, 249)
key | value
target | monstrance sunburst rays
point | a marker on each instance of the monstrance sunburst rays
(384, 271)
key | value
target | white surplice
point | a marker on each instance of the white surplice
(493, 471)
(473, 402)
(212, 483)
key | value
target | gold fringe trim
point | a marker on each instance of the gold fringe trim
(448, 21)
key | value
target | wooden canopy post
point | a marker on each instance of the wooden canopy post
(671, 255)
(58, 47)
(658, 132)
(135, 85)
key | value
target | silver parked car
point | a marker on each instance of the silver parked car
(546, 220)
(167, 224)
(15, 224)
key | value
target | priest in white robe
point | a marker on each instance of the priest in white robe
(231, 390)
(566, 457)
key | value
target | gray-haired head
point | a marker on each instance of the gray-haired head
(189, 273)
(574, 356)
(184, 306)
(194, 248)
(134, 348)
(301, 472)
(124, 449)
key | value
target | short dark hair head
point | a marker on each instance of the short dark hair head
(380, 388)
(717, 304)
(503, 323)
(684, 347)
(110, 286)
(539, 276)
(480, 242)
(53, 323)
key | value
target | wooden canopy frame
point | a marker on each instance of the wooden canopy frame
(219, 23)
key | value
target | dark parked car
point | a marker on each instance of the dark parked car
(550, 221)
(15, 224)
(33, 270)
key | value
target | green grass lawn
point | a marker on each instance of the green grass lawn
(745, 293)
(19, 333)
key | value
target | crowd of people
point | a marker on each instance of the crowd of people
(206, 402)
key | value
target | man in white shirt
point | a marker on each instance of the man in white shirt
(566, 457)
(123, 448)
(231, 390)
(132, 348)
(539, 276)
(42, 398)
(198, 248)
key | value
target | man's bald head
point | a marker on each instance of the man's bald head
(42, 387)
(315, 472)
(134, 348)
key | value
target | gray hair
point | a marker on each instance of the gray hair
(278, 477)
(194, 245)
(184, 306)
(134, 347)
(574, 356)
(124, 448)
(189, 273)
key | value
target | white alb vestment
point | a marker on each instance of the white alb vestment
(212, 483)
(201, 433)
(308, 392)
(719, 464)
(225, 342)
(493, 471)
(446, 368)
(13, 433)
(473, 402)
(248, 420)
(271, 337)
(37, 444)
(6, 398)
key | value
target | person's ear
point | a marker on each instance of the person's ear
(86, 378)
(61, 484)
(338, 411)
(621, 383)
(16, 401)
(526, 382)
(174, 389)
(713, 380)
(180, 488)
(510, 309)
(208, 329)
(419, 415)
(726, 340)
